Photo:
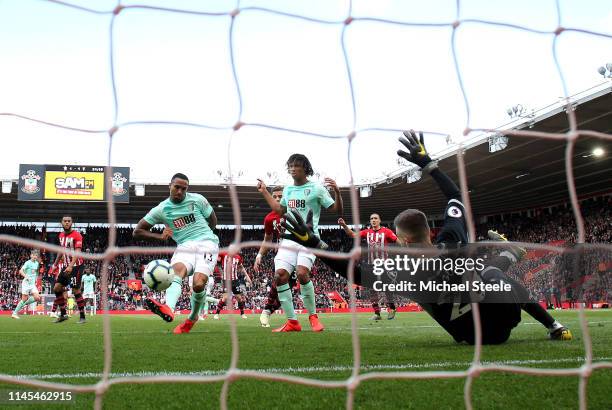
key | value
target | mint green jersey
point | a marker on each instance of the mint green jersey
(311, 195)
(186, 219)
(88, 283)
(31, 270)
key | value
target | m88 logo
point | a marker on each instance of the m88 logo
(297, 203)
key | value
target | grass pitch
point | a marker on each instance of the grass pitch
(144, 345)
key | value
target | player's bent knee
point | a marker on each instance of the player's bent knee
(180, 269)
(303, 274)
(281, 277)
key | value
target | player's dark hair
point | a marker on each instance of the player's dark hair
(414, 223)
(301, 160)
(68, 216)
(179, 175)
(277, 188)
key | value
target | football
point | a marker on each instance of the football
(158, 275)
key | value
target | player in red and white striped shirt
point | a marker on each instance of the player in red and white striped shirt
(70, 270)
(377, 238)
(233, 269)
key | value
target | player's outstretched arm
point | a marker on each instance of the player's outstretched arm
(417, 154)
(143, 232)
(348, 230)
(275, 206)
(338, 206)
(246, 274)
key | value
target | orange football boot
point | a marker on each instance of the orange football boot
(315, 324)
(184, 327)
(162, 311)
(291, 325)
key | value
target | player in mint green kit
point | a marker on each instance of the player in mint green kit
(303, 196)
(29, 292)
(189, 220)
(89, 293)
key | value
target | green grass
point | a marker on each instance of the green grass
(34, 346)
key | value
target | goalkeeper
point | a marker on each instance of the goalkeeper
(452, 311)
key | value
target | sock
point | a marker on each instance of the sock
(272, 302)
(60, 300)
(205, 306)
(556, 325)
(219, 307)
(503, 261)
(197, 301)
(285, 296)
(81, 305)
(511, 256)
(376, 309)
(308, 297)
(391, 305)
(174, 292)
(540, 314)
(241, 307)
(54, 308)
(20, 306)
(210, 299)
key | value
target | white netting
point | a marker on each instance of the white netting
(233, 372)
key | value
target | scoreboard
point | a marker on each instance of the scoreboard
(73, 183)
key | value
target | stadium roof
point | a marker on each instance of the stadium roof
(529, 173)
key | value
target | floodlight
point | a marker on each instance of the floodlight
(365, 191)
(7, 187)
(497, 142)
(139, 190)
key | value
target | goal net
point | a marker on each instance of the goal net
(358, 130)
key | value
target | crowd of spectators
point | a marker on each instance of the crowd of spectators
(549, 276)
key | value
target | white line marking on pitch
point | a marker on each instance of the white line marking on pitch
(314, 369)
(165, 331)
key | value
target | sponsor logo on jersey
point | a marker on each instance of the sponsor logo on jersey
(183, 221)
(296, 203)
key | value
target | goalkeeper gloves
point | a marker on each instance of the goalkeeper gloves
(417, 154)
(300, 231)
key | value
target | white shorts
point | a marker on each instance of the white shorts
(197, 256)
(89, 295)
(28, 287)
(297, 254)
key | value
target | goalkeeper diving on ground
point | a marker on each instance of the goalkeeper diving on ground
(499, 312)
